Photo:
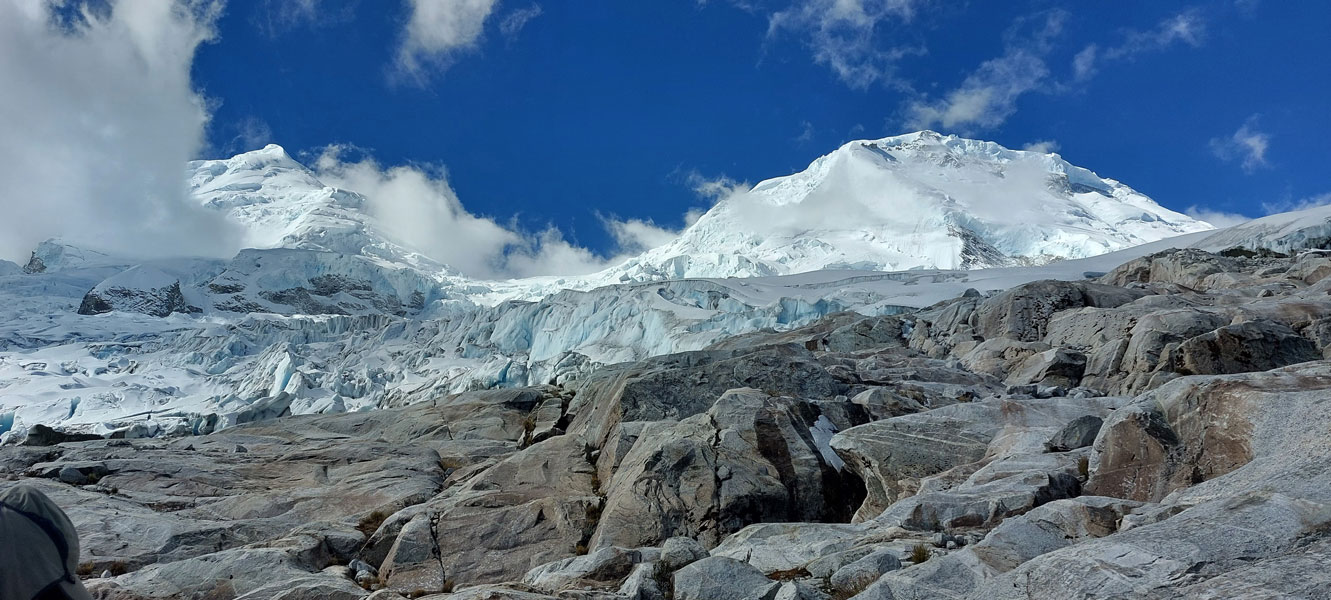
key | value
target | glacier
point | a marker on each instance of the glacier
(325, 313)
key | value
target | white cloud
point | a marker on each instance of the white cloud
(989, 96)
(1281, 206)
(415, 206)
(714, 188)
(846, 35)
(806, 132)
(1216, 217)
(636, 235)
(1247, 145)
(438, 30)
(252, 133)
(1042, 146)
(516, 20)
(275, 17)
(99, 117)
(1187, 28)
(1083, 64)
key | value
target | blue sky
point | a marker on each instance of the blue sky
(581, 130)
(608, 107)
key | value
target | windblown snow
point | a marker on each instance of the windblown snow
(326, 313)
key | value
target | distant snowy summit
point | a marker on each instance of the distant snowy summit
(914, 201)
(920, 200)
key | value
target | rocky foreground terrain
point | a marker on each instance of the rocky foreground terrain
(1162, 431)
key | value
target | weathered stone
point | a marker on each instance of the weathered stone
(773, 547)
(1055, 525)
(533, 507)
(41, 435)
(854, 577)
(1079, 433)
(997, 491)
(892, 456)
(1243, 347)
(750, 458)
(677, 552)
(882, 403)
(1055, 367)
(605, 568)
(1023, 312)
(720, 577)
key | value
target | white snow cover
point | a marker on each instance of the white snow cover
(920, 200)
(448, 333)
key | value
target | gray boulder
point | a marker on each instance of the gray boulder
(605, 568)
(677, 552)
(750, 458)
(1055, 367)
(1243, 347)
(854, 577)
(719, 577)
(1079, 433)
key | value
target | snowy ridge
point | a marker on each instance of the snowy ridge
(281, 204)
(919, 200)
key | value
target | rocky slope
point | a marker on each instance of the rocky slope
(1155, 432)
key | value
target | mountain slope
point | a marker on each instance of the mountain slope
(919, 200)
(282, 204)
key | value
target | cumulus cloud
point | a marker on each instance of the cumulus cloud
(1216, 217)
(437, 31)
(517, 19)
(1042, 146)
(637, 235)
(1188, 28)
(99, 118)
(1290, 205)
(1247, 145)
(714, 188)
(414, 205)
(847, 35)
(987, 97)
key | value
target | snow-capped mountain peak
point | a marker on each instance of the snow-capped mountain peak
(919, 200)
(282, 204)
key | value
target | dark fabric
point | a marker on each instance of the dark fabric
(39, 548)
(55, 591)
(52, 531)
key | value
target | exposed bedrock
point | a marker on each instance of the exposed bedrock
(1159, 433)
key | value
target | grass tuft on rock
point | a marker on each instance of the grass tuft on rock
(370, 523)
(919, 553)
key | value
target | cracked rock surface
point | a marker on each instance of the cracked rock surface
(1160, 432)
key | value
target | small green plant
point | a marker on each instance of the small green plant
(919, 553)
(370, 523)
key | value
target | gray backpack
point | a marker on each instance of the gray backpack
(39, 548)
